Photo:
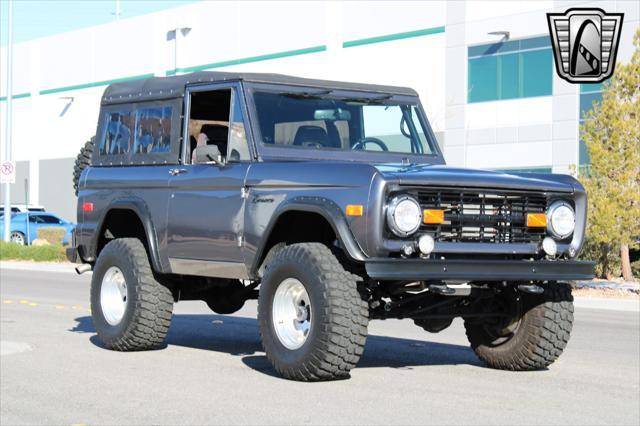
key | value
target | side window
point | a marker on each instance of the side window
(238, 145)
(49, 219)
(209, 120)
(153, 130)
(118, 133)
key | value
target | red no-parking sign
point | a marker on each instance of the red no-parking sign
(8, 172)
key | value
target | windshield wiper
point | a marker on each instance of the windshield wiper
(306, 95)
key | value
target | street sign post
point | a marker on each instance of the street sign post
(8, 154)
(8, 172)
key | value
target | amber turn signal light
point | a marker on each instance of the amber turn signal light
(433, 217)
(355, 210)
(536, 220)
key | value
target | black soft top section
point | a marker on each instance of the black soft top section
(156, 88)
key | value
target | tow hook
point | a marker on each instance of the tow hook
(531, 289)
(85, 267)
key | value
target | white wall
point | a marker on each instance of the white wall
(220, 32)
(516, 133)
(519, 133)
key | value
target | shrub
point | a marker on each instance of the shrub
(50, 253)
(52, 235)
(635, 268)
(606, 256)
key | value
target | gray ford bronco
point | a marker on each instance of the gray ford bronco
(328, 202)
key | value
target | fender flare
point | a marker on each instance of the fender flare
(326, 208)
(140, 208)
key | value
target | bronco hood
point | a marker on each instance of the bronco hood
(422, 174)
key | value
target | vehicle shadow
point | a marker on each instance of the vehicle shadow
(240, 337)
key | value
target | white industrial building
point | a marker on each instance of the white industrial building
(495, 102)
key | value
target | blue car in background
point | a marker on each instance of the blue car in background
(24, 233)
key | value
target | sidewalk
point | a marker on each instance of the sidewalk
(62, 267)
(608, 303)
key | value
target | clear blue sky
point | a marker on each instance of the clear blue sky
(39, 18)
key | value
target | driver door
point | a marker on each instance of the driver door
(206, 203)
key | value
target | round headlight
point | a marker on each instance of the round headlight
(561, 219)
(404, 215)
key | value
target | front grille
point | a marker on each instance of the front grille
(483, 217)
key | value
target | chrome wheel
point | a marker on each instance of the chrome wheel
(291, 313)
(17, 237)
(113, 295)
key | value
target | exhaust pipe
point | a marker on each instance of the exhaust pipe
(85, 267)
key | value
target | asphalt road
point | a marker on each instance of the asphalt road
(53, 370)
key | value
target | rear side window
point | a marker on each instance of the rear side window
(145, 133)
(153, 130)
(118, 134)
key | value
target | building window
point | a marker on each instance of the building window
(510, 70)
(589, 93)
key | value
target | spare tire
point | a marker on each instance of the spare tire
(82, 161)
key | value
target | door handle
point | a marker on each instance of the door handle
(176, 172)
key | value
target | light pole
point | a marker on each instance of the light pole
(7, 142)
(117, 12)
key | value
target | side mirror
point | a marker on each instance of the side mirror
(208, 154)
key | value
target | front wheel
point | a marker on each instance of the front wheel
(131, 311)
(313, 322)
(18, 237)
(531, 337)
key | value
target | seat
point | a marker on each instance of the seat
(218, 135)
(311, 136)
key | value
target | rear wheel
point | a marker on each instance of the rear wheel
(534, 334)
(131, 311)
(313, 322)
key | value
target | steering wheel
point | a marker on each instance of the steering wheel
(359, 146)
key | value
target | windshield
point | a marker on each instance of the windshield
(323, 120)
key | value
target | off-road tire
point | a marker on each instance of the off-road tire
(540, 337)
(339, 315)
(82, 161)
(148, 312)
